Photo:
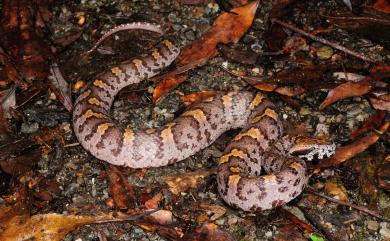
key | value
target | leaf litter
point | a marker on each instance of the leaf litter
(295, 85)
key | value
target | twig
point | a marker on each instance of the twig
(383, 21)
(128, 217)
(324, 41)
(181, 69)
(362, 209)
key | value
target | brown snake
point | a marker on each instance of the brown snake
(260, 145)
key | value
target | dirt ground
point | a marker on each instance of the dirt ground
(82, 179)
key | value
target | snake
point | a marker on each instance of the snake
(260, 168)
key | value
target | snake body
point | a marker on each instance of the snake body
(259, 147)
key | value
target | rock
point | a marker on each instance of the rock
(29, 128)
(372, 225)
(385, 230)
(325, 52)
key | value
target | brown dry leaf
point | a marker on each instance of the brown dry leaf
(21, 40)
(384, 174)
(266, 86)
(370, 123)
(290, 232)
(60, 87)
(290, 90)
(199, 96)
(154, 201)
(345, 90)
(173, 234)
(208, 232)
(121, 191)
(336, 190)
(380, 103)
(346, 152)
(41, 227)
(163, 217)
(181, 183)
(21, 164)
(382, 5)
(213, 210)
(166, 85)
(238, 55)
(227, 28)
(297, 221)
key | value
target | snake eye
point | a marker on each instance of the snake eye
(312, 148)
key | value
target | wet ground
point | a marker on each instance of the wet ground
(85, 190)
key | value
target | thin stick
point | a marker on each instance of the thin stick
(363, 209)
(324, 41)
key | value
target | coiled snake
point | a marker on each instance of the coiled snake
(260, 146)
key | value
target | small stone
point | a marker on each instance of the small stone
(190, 35)
(325, 52)
(385, 230)
(321, 118)
(220, 221)
(372, 225)
(232, 220)
(29, 128)
(268, 234)
(304, 111)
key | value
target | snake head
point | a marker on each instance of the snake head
(312, 148)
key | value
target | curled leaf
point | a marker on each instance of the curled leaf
(345, 90)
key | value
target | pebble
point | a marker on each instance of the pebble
(321, 119)
(190, 35)
(322, 129)
(304, 111)
(385, 230)
(325, 52)
(29, 128)
(372, 225)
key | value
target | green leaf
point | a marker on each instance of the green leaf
(314, 237)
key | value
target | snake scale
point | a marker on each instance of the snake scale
(259, 147)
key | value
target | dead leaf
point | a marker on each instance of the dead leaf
(336, 190)
(348, 76)
(199, 96)
(41, 227)
(266, 86)
(297, 221)
(121, 191)
(20, 39)
(60, 87)
(348, 151)
(154, 201)
(173, 234)
(52, 226)
(384, 174)
(290, 90)
(213, 210)
(183, 182)
(238, 55)
(67, 40)
(227, 28)
(166, 85)
(290, 232)
(380, 104)
(208, 232)
(382, 5)
(372, 122)
(162, 217)
(21, 164)
(345, 90)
